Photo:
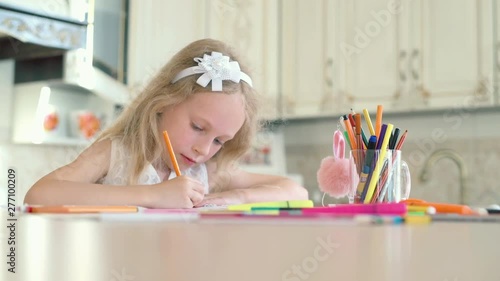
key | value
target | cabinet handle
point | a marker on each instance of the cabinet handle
(402, 75)
(329, 70)
(414, 71)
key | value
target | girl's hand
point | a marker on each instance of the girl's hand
(230, 197)
(180, 192)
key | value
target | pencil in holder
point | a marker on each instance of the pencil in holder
(383, 176)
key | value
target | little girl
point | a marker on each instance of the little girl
(205, 100)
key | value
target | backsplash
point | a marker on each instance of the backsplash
(472, 136)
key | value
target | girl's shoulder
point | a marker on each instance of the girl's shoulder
(89, 166)
(98, 149)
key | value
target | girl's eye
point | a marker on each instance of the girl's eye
(218, 142)
(196, 127)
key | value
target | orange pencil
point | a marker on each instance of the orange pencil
(350, 132)
(81, 209)
(378, 120)
(441, 207)
(171, 153)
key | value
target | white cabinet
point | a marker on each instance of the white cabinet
(338, 55)
(158, 30)
(417, 54)
(309, 57)
(373, 54)
(252, 27)
(450, 59)
(404, 54)
(314, 58)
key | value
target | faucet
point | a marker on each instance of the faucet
(455, 157)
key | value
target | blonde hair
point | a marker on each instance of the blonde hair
(137, 126)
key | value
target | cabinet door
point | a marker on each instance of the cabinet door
(372, 55)
(308, 57)
(450, 61)
(157, 30)
(251, 26)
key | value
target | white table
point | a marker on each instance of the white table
(55, 247)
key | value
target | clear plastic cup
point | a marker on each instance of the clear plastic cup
(380, 176)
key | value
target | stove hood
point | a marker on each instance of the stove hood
(55, 46)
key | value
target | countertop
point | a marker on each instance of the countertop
(80, 247)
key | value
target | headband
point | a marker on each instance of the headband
(215, 68)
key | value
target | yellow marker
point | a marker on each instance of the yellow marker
(368, 121)
(378, 167)
(418, 219)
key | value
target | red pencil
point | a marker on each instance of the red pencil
(401, 140)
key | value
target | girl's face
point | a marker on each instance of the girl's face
(199, 126)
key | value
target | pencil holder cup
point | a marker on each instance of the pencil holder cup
(380, 176)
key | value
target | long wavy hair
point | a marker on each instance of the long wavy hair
(138, 124)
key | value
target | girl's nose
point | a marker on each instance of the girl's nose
(202, 147)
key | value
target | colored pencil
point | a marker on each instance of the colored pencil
(171, 153)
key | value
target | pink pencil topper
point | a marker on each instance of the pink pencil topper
(338, 145)
(335, 172)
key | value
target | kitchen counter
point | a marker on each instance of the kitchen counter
(81, 247)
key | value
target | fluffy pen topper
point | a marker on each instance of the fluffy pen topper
(336, 173)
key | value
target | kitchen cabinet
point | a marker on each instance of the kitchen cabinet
(419, 55)
(322, 58)
(405, 54)
(252, 27)
(310, 60)
(450, 53)
(338, 55)
(157, 30)
(373, 55)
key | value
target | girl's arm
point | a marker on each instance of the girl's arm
(75, 184)
(244, 187)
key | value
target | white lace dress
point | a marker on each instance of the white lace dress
(120, 165)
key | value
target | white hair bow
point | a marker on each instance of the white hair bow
(215, 68)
